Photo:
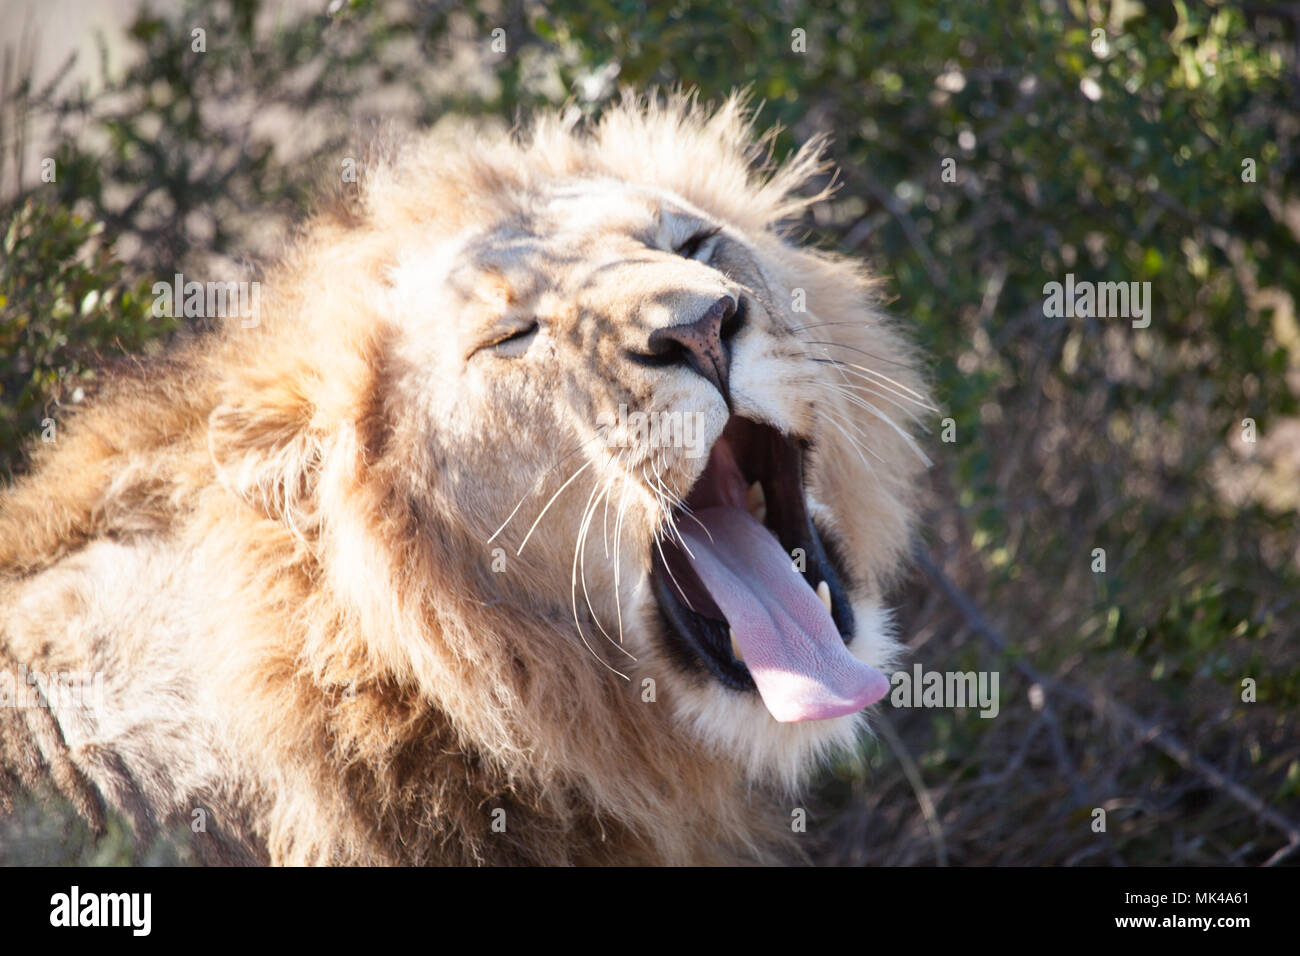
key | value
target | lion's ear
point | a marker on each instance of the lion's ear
(266, 451)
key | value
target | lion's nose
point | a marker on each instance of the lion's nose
(701, 344)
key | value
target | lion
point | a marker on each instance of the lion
(545, 515)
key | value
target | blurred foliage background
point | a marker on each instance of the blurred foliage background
(1119, 141)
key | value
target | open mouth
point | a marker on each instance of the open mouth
(750, 591)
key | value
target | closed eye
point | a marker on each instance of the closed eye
(693, 247)
(514, 341)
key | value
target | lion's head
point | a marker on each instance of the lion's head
(586, 446)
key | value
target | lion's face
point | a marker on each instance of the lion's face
(655, 423)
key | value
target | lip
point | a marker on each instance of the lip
(698, 634)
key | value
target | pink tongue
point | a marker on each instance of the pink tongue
(791, 645)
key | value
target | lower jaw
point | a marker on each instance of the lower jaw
(739, 731)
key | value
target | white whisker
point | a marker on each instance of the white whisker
(867, 406)
(579, 548)
(536, 485)
(551, 502)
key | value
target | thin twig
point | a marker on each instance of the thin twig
(913, 774)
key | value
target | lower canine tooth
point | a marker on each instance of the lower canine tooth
(735, 648)
(824, 592)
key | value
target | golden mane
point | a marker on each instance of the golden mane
(354, 697)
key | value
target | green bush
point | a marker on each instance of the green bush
(64, 305)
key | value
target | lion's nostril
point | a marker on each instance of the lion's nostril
(701, 344)
(732, 324)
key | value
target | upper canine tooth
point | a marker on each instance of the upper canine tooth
(735, 647)
(824, 592)
(755, 502)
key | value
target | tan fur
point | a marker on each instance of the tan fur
(277, 544)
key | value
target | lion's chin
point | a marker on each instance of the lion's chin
(736, 724)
